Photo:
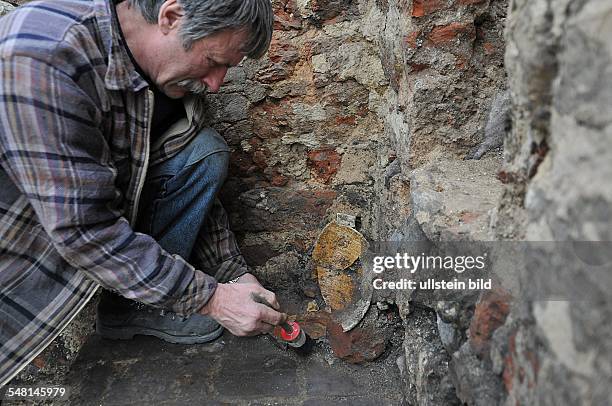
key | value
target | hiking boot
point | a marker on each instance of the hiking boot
(121, 319)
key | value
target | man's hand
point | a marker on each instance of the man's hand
(248, 278)
(233, 307)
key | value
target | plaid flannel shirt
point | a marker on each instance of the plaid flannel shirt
(74, 140)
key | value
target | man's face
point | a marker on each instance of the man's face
(201, 68)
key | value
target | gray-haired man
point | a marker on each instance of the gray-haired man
(109, 177)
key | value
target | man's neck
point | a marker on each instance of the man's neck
(135, 30)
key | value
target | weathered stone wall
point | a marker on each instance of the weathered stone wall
(302, 126)
(307, 140)
(556, 187)
(444, 60)
(558, 169)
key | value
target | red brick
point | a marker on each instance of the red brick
(350, 120)
(356, 346)
(445, 34)
(242, 164)
(533, 360)
(39, 362)
(512, 344)
(258, 254)
(270, 117)
(283, 22)
(411, 39)
(489, 315)
(506, 177)
(468, 217)
(274, 73)
(324, 163)
(488, 48)
(461, 63)
(260, 159)
(285, 209)
(418, 67)
(287, 16)
(363, 110)
(422, 8)
(283, 58)
(278, 179)
(327, 10)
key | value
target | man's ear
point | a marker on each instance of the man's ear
(170, 14)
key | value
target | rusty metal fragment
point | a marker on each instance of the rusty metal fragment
(341, 278)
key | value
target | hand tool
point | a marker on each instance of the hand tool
(290, 331)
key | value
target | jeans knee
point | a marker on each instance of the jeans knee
(209, 149)
(217, 164)
(206, 142)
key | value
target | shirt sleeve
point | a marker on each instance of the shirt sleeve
(52, 147)
(216, 250)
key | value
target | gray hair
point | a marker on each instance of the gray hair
(203, 18)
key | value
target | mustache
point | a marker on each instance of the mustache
(193, 86)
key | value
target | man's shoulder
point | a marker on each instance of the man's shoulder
(42, 29)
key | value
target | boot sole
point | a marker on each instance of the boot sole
(128, 333)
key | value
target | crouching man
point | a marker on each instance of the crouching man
(109, 177)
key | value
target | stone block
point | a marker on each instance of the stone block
(452, 198)
(276, 209)
(473, 380)
(5, 8)
(129, 379)
(321, 381)
(351, 401)
(426, 361)
(356, 167)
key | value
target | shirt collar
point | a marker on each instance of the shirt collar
(120, 73)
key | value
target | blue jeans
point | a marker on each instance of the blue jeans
(175, 200)
(178, 193)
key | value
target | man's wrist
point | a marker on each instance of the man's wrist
(209, 309)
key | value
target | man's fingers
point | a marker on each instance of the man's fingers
(272, 317)
(267, 298)
(274, 302)
(244, 317)
(261, 328)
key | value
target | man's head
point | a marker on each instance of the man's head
(196, 41)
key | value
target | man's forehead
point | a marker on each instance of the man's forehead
(227, 45)
(230, 57)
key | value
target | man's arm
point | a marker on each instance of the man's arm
(216, 250)
(52, 148)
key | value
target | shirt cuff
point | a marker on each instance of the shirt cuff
(200, 290)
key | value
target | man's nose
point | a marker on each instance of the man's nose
(215, 78)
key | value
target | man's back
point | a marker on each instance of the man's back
(67, 131)
(43, 29)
